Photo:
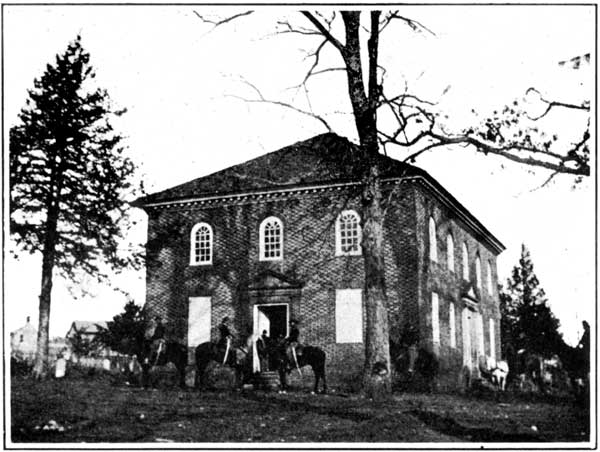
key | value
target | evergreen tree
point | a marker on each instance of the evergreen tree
(83, 346)
(125, 334)
(527, 320)
(68, 179)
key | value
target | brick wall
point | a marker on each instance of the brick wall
(309, 257)
(450, 285)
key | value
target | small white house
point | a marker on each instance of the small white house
(23, 341)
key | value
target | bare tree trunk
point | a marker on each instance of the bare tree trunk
(40, 368)
(377, 374)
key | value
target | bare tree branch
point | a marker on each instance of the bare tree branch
(325, 32)
(551, 104)
(262, 99)
(226, 20)
(296, 30)
(413, 24)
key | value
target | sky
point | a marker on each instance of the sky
(177, 77)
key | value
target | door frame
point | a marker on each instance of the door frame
(257, 306)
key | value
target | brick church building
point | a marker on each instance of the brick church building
(278, 237)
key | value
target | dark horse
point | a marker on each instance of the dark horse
(414, 365)
(311, 356)
(162, 354)
(238, 359)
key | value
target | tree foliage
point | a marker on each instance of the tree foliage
(66, 160)
(527, 320)
(68, 180)
(125, 334)
(82, 345)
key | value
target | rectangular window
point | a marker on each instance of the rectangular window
(199, 320)
(348, 316)
(452, 321)
(435, 317)
(492, 340)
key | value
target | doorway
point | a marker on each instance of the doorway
(272, 318)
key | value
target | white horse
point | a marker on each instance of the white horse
(495, 371)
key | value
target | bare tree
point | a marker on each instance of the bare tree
(417, 127)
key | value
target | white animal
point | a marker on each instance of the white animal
(495, 371)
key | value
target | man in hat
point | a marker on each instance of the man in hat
(156, 337)
(293, 346)
(225, 339)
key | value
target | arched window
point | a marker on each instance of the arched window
(478, 272)
(432, 240)
(347, 234)
(271, 239)
(465, 261)
(450, 253)
(490, 287)
(201, 243)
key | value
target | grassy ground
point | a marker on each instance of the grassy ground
(100, 409)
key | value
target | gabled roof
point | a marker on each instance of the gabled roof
(87, 326)
(326, 159)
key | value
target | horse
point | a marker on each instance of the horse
(238, 358)
(311, 356)
(162, 353)
(410, 360)
(495, 371)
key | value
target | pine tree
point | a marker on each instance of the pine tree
(68, 179)
(527, 320)
(125, 334)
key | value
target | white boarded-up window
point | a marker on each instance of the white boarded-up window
(348, 316)
(452, 322)
(492, 339)
(435, 317)
(450, 254)
(432, 240)
(480, 337)
(198, 321)
(466, 333)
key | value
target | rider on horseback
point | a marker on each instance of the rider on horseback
(293, 347)
(225, 339)
(155, 335)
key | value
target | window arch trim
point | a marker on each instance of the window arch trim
(354, 246)
(273, 250)
(201, 248)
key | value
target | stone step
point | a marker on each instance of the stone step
(267, 380)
